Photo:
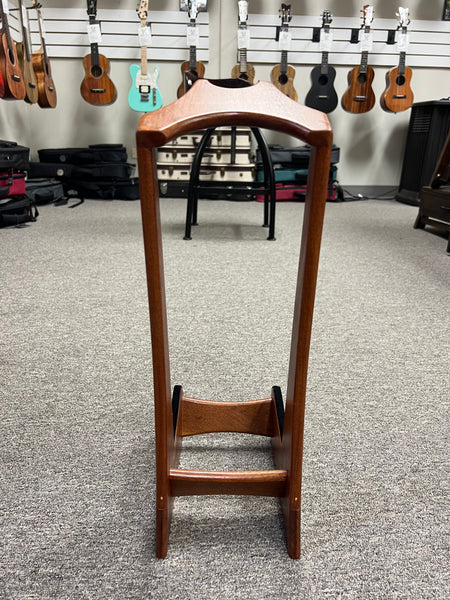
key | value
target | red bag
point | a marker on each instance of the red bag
(11, 184)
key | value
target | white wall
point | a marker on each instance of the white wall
(371, 144)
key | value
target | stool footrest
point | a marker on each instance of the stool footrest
(185, 482)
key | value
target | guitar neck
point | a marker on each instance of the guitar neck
(324, 63)
(25, 35)
(402, 63)
(95, 61)
(5, 28)
(144, 60)
(192, 58)
(243, 60)
(92, 12)
(284, 61)
(41, 34)
(364, 61)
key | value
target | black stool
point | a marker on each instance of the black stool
(267, 187)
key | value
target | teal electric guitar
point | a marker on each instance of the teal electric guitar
(144, 95)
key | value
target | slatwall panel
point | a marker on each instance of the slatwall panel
(66, 37)
(66, 34)
(429, 42)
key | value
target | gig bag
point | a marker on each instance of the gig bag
(99, 171)
(45, 191)
(13, 157)
(17, 210)
(109, 153)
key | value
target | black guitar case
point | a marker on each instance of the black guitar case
(13, 157)
(99, 171)
(80, 171)
(95, 153)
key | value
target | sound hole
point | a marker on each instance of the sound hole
(96, 71)
(362, 78)
(243, 76)
(283, 79)
(400, 80)
(323, 80)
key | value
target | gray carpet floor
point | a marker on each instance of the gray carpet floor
(77, 478)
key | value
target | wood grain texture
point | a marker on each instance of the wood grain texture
(29, 76)
(184, 482)
(97, 87)
(188, 76)
(284, 81)
(46, 85)
(248, 75)
(397, 95)
(359, 96)
(249, 416)
(210, 105)
(13, 85)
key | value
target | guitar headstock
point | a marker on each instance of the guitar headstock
(367, 16)
(142, 11)
(285, 14)
(37, 5)
(403, 17)
(185, 5)
(243, 12)
(327, 19)
(193, 9)
(91, 8)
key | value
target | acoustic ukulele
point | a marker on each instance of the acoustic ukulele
(282, 75)
(191, 69)
(398, 95)
(322, 95)
(13, 86)
(96, 87)
(144, 95)
(359, 97)
(42, 68)
(243, 70)
(24, 54)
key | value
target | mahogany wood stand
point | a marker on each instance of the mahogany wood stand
(208, 105)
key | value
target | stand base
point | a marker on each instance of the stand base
(192, 416)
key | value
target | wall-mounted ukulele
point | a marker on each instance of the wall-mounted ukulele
(13, 85)
(359, 97)
(398, 95)
(283, 74)
(191, 69)
(96, 87)
(144, 95)
(243, 70)
(41, 66)
(322, 95)
(24, 54)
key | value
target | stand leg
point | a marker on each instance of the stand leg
(269, 182)
(191, 213)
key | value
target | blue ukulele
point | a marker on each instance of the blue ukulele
(144, 95)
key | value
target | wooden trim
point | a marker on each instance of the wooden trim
(206, 416)
(185, 482)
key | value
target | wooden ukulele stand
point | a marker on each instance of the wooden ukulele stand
(208, 105)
